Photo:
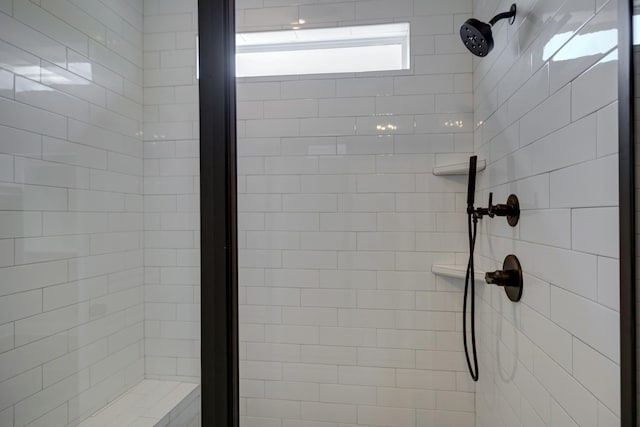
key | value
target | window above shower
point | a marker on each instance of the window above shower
(323, 50)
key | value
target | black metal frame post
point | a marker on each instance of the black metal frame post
(628, 357)
(218, 212)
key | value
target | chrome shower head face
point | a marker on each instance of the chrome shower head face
(477, 37)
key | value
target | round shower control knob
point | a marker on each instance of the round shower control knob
(510, 278)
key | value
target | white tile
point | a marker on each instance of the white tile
(32, 119)
(310, 203)
(551, 115)
(572, 397)
(347, 336)
(20, 387)
(571, 145)
(366, 260)
(426, 379)
(299, 278)
(336, 393)
(366, 202)
(600, 240)
(608, 130)
(347, 279)
(6, 253)
(31, 171)
(25, 278)
(291, 391)
(606, 417)
(21, 305)
(347, 164)
(361, 318)
(577, 272)
(599, 176)
(425, 320)
(608, 282)
(308, 89)
(329, 412)
(271, 16)
(396, 300)
(403, 280)
(329, 355)
(566, 66)
(273, 353)
(319, 373)
(396, 417)
(588, 321)
(598, 374)
(20, 224)
(385, 125)
(386, 357)
(292, 334)
(455, 401)
(32, 355)
(327, 13)
(310, 259)
(290, 108)
(46, 98)
(547, 227)
(406, 398)
(31, 40)
(554, 340)
(445, 418)
(328, 298)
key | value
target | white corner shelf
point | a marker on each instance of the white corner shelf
(458, 168)
(455, 271)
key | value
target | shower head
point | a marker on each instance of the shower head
(477, 35)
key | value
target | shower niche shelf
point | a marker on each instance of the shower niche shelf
(455, 271)
(458, 168)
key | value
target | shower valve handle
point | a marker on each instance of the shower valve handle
(511, 209)
(499, 209)
(509, 278)
(502, 278)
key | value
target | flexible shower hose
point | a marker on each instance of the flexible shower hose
(470, 279)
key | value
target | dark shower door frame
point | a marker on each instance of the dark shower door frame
(626, 94)
(219, 270)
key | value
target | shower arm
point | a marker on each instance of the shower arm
(511, 15)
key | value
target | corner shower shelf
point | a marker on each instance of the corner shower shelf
(458, 168)
(455, 271)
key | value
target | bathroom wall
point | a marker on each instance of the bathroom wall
(171, 191)
(342, 321)
(71, 259)
(546, 121)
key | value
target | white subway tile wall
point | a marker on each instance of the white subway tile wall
(71, 208)
(545, 111)
(171, 192)
(340, 220)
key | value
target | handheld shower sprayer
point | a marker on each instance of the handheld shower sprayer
(510, 277)
(471, 188)
(469, 281)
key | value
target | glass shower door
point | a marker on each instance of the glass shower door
(340, 220)
(99, 214)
